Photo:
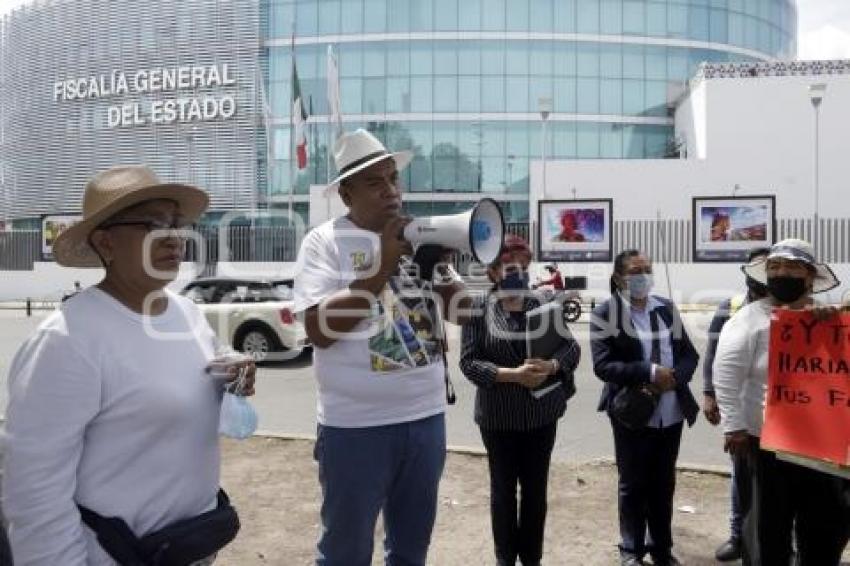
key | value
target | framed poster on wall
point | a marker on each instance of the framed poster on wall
(725, 229)
(51, 227)
(575, 230)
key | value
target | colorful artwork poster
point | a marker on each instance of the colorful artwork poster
(575, 230)
(725, 229)
(51, 227)
(405, 334)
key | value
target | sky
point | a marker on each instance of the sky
(824, 27)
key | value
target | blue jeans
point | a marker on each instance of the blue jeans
(363, 471)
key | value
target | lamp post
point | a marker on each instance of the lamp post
(544, 105)
(816, 94)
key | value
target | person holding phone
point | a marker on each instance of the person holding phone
(518, 429)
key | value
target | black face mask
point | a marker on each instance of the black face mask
(786, 289)
(756, 288)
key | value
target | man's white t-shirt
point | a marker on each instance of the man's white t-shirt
(389, 368)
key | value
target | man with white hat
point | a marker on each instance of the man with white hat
(378, 359)
(785, 496)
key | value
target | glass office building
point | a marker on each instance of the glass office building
(460, 82)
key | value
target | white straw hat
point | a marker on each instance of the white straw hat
(794, 250)
(355, 151)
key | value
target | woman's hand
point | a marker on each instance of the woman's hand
(532, 373)
(550, 367)
(736, 443)
(710, 409)
(236, 371)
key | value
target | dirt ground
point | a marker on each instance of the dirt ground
(274, 485)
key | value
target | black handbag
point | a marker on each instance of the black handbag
(633, 406)
(179, 544)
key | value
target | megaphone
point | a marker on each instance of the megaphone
(480, 231)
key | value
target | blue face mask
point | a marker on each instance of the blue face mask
(638, 286)
(516, 281)
(238, 418)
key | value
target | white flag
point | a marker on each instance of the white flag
(333, 93)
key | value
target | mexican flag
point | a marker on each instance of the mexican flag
(299, 120)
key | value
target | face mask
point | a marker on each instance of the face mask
(639, 285)
(786, 289)
(238, 418)
(517, 281)
(756, 288)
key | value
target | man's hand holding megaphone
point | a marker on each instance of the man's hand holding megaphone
(393, 245)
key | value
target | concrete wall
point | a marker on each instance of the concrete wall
(49, 281)
(757, 133)
(760, 132)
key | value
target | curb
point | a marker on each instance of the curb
(480, 452)
(686, 467)
(456, 449)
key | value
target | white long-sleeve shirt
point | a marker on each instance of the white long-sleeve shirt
(740, 368)
(112, 411)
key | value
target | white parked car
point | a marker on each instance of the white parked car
(253, 316)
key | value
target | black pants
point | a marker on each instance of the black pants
(646, 462)
(521, 457)
(5, 551)
(793, 500)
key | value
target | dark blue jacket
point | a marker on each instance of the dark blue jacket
(618, 357)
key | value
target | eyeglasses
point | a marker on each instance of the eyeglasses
(151, 224)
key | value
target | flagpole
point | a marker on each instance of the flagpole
(292, 126)
(331, 140)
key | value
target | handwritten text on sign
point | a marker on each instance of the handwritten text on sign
(808, 397)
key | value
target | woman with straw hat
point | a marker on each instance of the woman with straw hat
(111, 412)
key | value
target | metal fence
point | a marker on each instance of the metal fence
(666, 240)
(19, 250)
(242, 244)
(671, 240)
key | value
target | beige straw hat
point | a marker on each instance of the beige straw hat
(114, 190)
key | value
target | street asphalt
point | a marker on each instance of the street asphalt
(286, 398)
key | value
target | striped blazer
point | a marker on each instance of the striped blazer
(485, 348)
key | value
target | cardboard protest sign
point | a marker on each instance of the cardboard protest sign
(807, 413)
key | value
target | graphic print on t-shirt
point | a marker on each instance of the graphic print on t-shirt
(405, 335)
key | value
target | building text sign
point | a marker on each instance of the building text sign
(150, 81)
